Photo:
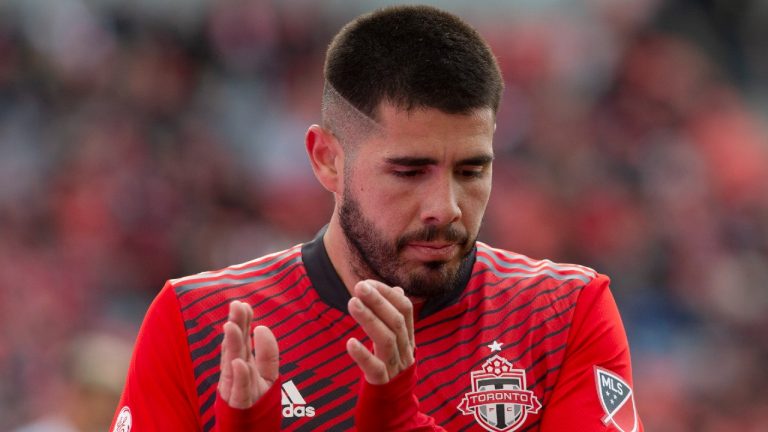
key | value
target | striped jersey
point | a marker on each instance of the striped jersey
(517, 347)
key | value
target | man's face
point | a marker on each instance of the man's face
(414, 196)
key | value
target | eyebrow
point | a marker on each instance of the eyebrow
(424, 161)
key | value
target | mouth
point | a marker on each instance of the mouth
(432, 251)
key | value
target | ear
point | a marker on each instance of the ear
(326, 156)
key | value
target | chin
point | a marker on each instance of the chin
(429, 280)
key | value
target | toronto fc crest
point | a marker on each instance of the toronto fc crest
(499, 399)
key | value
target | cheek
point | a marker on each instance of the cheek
(394, 211)
(475, 201)
(381, 192)
(380, 202)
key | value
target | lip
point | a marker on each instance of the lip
(433, 251)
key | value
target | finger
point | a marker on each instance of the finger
(238, 314)
(241, 386)
(235, 341)
(232, 348)
(266, 353)
(396, 296)
(225, 378)
(241, 314)
(247, 329)
(370, 293)
(384, 339)
(373, 368)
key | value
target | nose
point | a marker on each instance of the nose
(440, 202)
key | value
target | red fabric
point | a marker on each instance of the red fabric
(263, 416)
(553, 322)
(596, 338)
(159, 390)
(392, 406)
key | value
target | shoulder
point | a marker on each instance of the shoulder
(506, 264)
(511, 280)
(253, 271)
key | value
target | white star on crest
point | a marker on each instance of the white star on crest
(495, 346)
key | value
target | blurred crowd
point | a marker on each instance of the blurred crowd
(146, 140)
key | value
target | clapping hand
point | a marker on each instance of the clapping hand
(249, 361)
(386, 316)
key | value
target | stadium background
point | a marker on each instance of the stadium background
(150, 139)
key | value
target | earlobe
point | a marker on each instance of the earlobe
(323, 149)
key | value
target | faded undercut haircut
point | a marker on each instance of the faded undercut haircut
(412, 57)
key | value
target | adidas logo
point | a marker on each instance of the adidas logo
(293, 404)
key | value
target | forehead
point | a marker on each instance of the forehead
(431, 132)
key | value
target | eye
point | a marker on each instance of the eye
(407, 173)
(472, 172)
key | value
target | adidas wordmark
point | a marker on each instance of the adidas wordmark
(293, 404)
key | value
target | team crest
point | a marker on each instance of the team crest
(499, 399)
(617, 400)
(124, 421)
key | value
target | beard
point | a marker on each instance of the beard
(376, 257)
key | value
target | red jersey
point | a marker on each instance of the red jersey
(520, 345)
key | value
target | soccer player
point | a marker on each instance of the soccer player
(393, 318)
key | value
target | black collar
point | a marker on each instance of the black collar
(332, 291)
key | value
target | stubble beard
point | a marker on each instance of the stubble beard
(374, 257)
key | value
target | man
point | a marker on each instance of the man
(393, 318)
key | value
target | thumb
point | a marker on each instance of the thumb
(266, 353)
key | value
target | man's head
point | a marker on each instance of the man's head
(408, 118)
(411, 57)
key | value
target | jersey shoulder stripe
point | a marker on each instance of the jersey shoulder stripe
(507, 264)
(239, 273)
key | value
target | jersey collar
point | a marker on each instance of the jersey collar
(332, 291)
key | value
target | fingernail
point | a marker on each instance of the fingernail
(365, 288)
(356, 304)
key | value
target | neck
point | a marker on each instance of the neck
(338, 251)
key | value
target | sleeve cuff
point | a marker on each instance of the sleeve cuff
(264, 415)
(400, 386)
(392, 406)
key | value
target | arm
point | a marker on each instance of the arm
(159, 393)
(597, 341)
(392, 406)
(387, 401)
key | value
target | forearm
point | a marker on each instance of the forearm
(392, 406)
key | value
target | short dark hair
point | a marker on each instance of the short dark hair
(412, 57)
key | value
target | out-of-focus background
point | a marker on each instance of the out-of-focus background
(144, 140)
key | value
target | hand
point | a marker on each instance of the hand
(386, 316)
(248, 366)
